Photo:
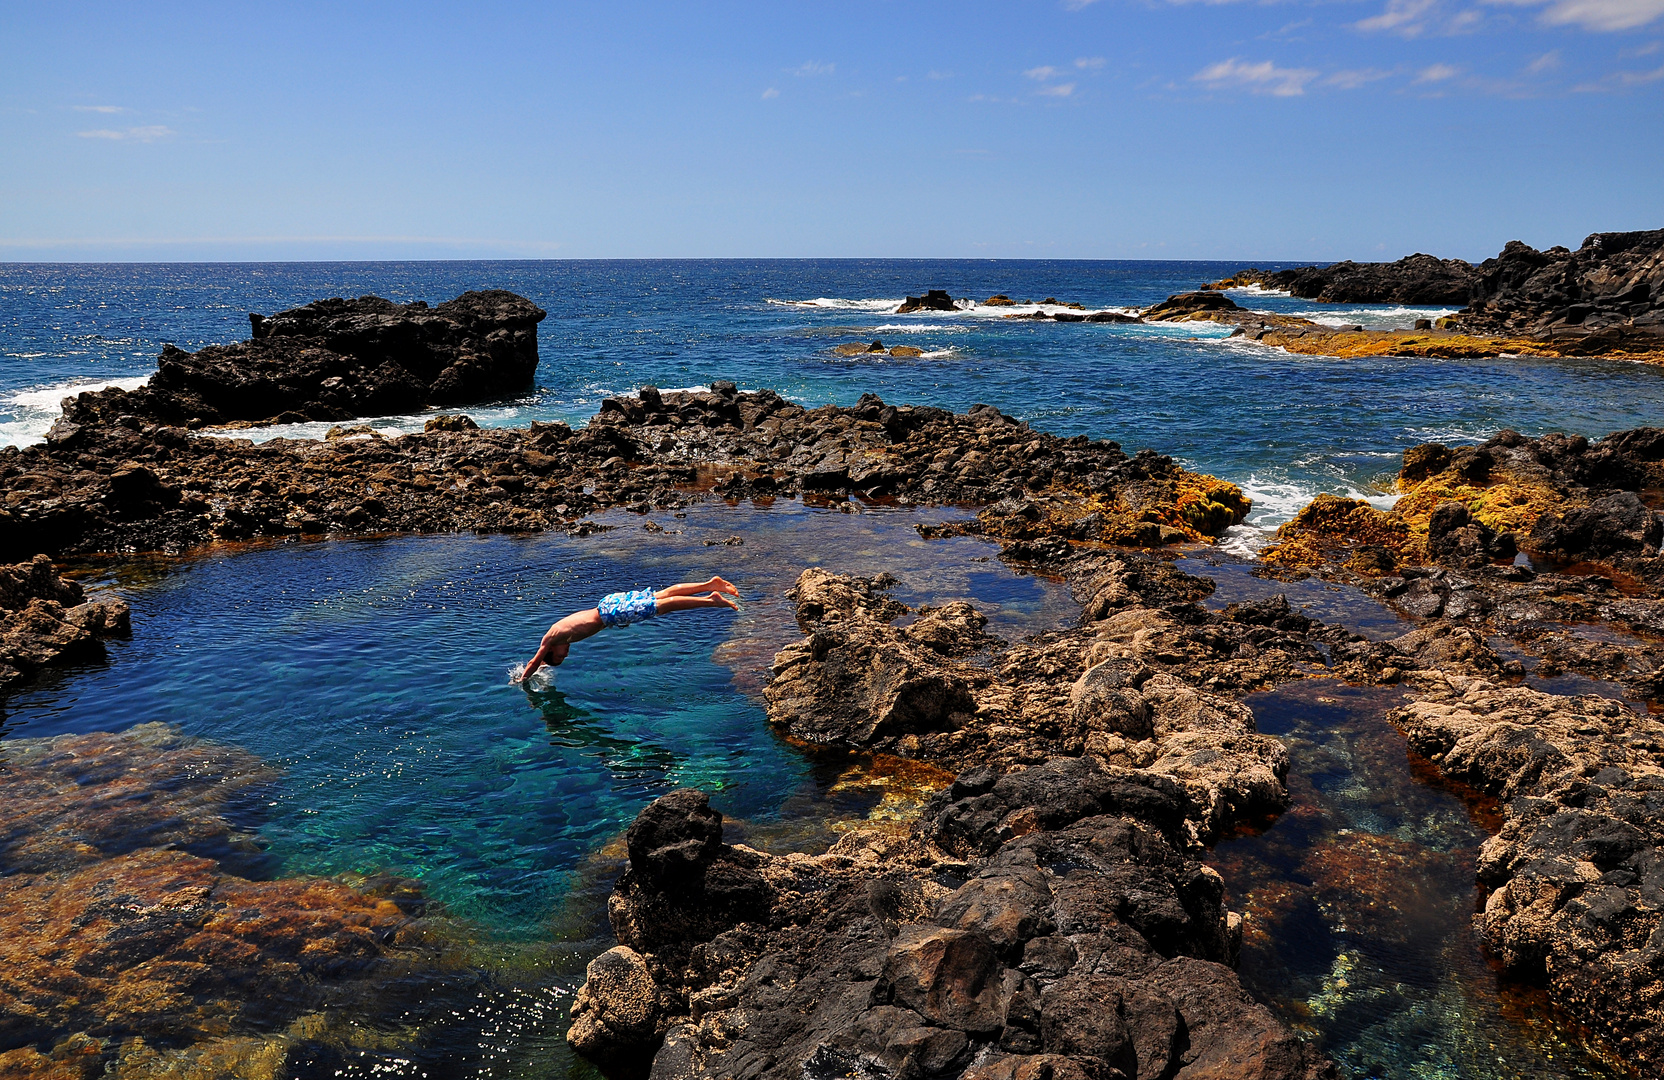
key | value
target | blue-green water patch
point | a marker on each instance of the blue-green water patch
(373, 673)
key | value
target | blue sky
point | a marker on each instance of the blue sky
(1295, 129)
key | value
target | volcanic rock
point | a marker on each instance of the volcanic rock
(43, 621)
(1091, 947)
(1416, 279)
(177, 490)
(934, 300)
(335, 360)
(1575, 873)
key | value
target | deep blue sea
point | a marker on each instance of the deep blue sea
(372, 672)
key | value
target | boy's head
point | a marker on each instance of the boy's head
(557, 653)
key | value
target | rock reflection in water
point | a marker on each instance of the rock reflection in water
(1358, 904)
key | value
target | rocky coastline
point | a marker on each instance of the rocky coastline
(1048, 915)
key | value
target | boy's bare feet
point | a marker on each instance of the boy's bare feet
(724, 600)
(722, 586)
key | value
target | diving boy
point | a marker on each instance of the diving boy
(622, 609)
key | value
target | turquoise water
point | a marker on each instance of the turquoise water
(374, 673)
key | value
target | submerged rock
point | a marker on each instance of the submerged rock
(126, 940)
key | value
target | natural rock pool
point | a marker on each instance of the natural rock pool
(352, 697)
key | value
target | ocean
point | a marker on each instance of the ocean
(1284, 427)
(373, 672)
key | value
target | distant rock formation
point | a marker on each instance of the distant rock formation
(934, 300)
(1610, 289)
(337, 360)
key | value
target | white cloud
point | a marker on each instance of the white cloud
(813, 67)
(1407, 17)
(134, 134)
(1595, 14)
(1090, 63)
(1546, 62)
(1076, 5)
(1043, 73)
(771, 92)
(1622, 80)
(1261, 78)
(1435, 73)
(1354, 78)
(934, 74)
(99, 108)
(1060, 90)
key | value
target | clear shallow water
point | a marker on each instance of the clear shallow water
(373, 672)
(1283, 426)
(1358, 905)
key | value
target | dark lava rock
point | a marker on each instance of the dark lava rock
(1609, 290)
(131, 485)
(1415, 279)
(934, 300)
(335, 360)
(1093, 949)
(1175, 307)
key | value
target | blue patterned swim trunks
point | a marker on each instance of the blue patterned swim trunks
(624, 608)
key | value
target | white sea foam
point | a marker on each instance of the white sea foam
(27, 415)
(835, 303)
(1373, 317)
(1256, 290)
(1276, 501)
(922, 328)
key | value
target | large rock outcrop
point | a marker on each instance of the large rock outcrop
(1089, 948)
(335, 360)
(1609, 291)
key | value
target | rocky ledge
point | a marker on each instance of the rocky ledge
(1447, 340)
(1552, 543)
(129, 485)
(44, 621)
(1535, 558)
(1575, 877)
(335, 360)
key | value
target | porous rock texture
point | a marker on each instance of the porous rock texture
(1578, 510)
(1090, 947)
(44, 621)
(1576, 874)
(131, 486)
(1046, 914)
(131, 941)
(335, 360)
